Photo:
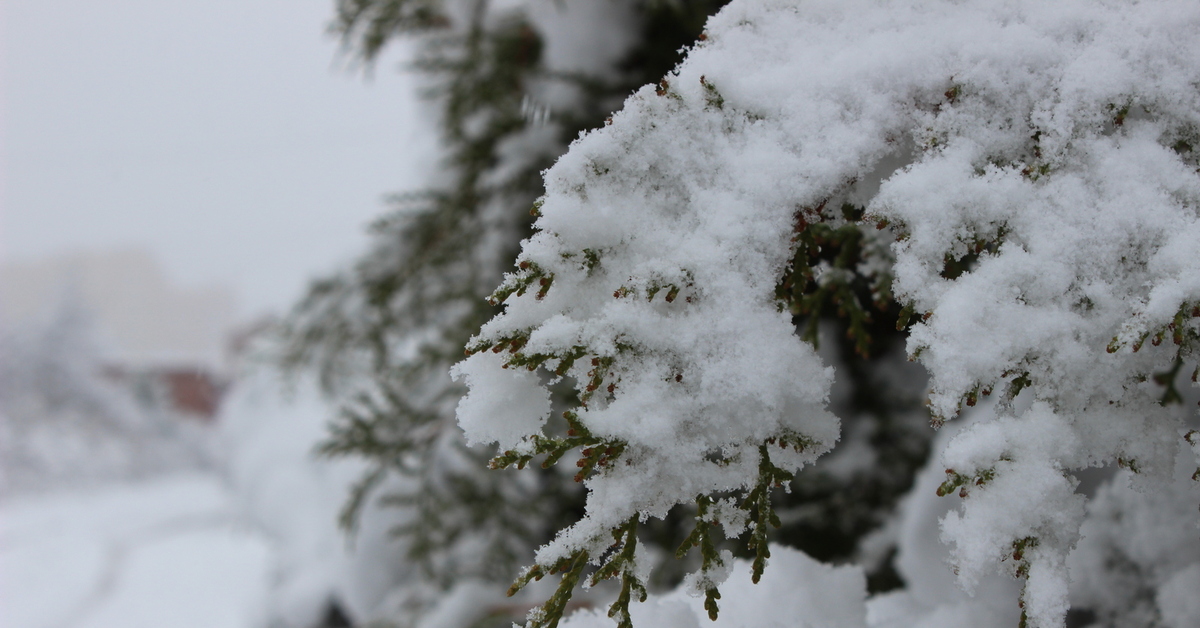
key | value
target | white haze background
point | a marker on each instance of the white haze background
(230, 148)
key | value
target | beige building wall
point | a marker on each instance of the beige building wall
(141, 318)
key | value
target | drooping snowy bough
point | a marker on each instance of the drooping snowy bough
(1033, 166)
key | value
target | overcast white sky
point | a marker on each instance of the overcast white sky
(224, 135)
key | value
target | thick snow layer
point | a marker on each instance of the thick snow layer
(930, 598)
(503, 406)
(1047, 148)
(1135, 544)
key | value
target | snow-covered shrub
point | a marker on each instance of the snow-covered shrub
(515, 82)
(1034, 169)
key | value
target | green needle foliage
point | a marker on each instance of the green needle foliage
(382, 333)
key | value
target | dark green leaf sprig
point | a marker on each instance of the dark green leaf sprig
(619, 561)
(710, 558)
(596, 453)
(1181, 330)
(519, 282)
(962, 483)
(1184, 332)
(758, 503)
(824, 275)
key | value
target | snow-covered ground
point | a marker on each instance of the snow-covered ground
(113, 508)
(118, 510)
(248, 541)
(172, 551)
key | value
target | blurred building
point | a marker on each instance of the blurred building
(167, 342)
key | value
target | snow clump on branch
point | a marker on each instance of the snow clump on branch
(1037, 166)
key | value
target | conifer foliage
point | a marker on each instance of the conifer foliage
(719, 278)
(1045, 210)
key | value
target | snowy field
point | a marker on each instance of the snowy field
(164, 552)
(244, 537)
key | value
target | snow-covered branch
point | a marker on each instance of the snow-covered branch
(1037, 164)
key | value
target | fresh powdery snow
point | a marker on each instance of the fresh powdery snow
(1051, 146)
(172, 551)
(250, 543)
